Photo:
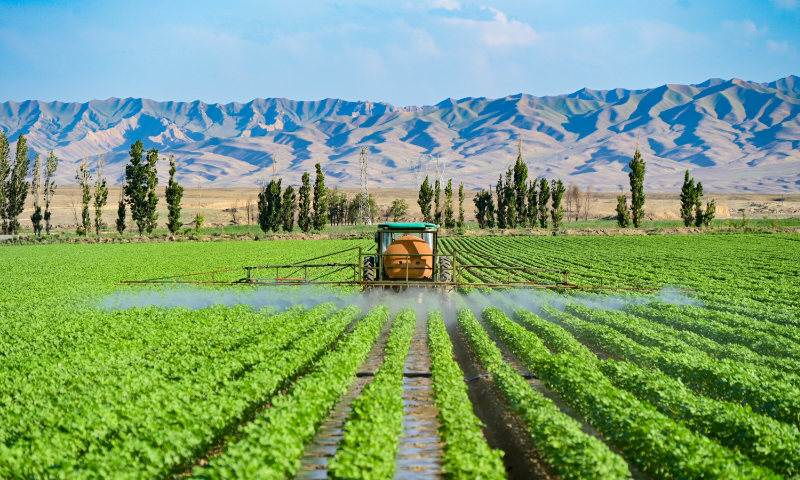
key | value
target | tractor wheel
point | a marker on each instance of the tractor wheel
(369, 269)
(445, 270)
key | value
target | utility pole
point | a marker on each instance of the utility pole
(364, 214)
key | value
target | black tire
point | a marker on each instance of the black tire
(445, 270)
(369, 269)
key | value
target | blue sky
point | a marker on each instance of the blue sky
(414, 52)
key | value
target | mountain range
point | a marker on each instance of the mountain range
(733, 135)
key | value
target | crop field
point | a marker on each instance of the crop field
(698, 380)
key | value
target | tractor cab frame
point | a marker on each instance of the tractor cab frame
(374, 265)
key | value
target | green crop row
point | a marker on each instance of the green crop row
(555, 337)
(658, 445)
(371, 432)
(270, 446)
(717, 379)
(653, 334)
(467, 456)
(693, 333)
(572, 453)
(764, 440)
(167, 406)
(772, 345)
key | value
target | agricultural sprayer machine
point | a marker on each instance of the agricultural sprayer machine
(406, 255)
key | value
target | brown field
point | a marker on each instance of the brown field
(214, 201)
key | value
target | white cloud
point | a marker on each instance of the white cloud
(744, 28)
(445, 4)
(778, 47)
(786, 3)
(499, 31)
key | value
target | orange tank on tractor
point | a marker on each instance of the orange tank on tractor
(407, 251)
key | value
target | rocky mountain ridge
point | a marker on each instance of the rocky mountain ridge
(733, 135)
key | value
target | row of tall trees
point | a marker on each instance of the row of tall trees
(14, 188)
(277, 209)
(692, 211)
(520, 202)
(441, 213)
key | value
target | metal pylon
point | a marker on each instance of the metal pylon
(364, 216)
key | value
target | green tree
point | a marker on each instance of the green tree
(121, 213)
(174, 194)
(699, 217)
(636, 177)
(711, 210)
(100, 195)
(424, 200)
(449, 220)
(16, 188)
(520, 189)
(288, 209)
(623, 216)
(152, 199)
(532, 203)
(438, 212)
(500, 211)
(484, 204)
(269, 207)
(399, 209)
(50, 167)
(320, 200)
(544, 197)
(304, 219)
(139, 184)
(5, 171)
(510, 199)
(84, 176)
(36, 183)
(557, 210)
(687, 200)
(461, 198)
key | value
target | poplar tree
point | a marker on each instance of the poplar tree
(269, 206)
(636, 177)
(304, 219)
(480, 208)
(5, 171)
(544, 197)
(36, 217)
(50, 167)
(511, 200)
(520, 182)
(699, 217)
(100, 195)
(687, 200)
(490, 210)
(623, 216)
(84, 176)
(274, 205)
(152, 183)
(140, 184)
(320, 200)
(288, 208)
(532, 203)
(424, 200)
(174, 194)
(557, 210)
(711, 210)
(16, 188)
(121, 213)
(438, 212)
(461, 198)
(449, 221)
(500, 191)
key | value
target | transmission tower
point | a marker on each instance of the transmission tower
(440, 163)
(364, 216)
